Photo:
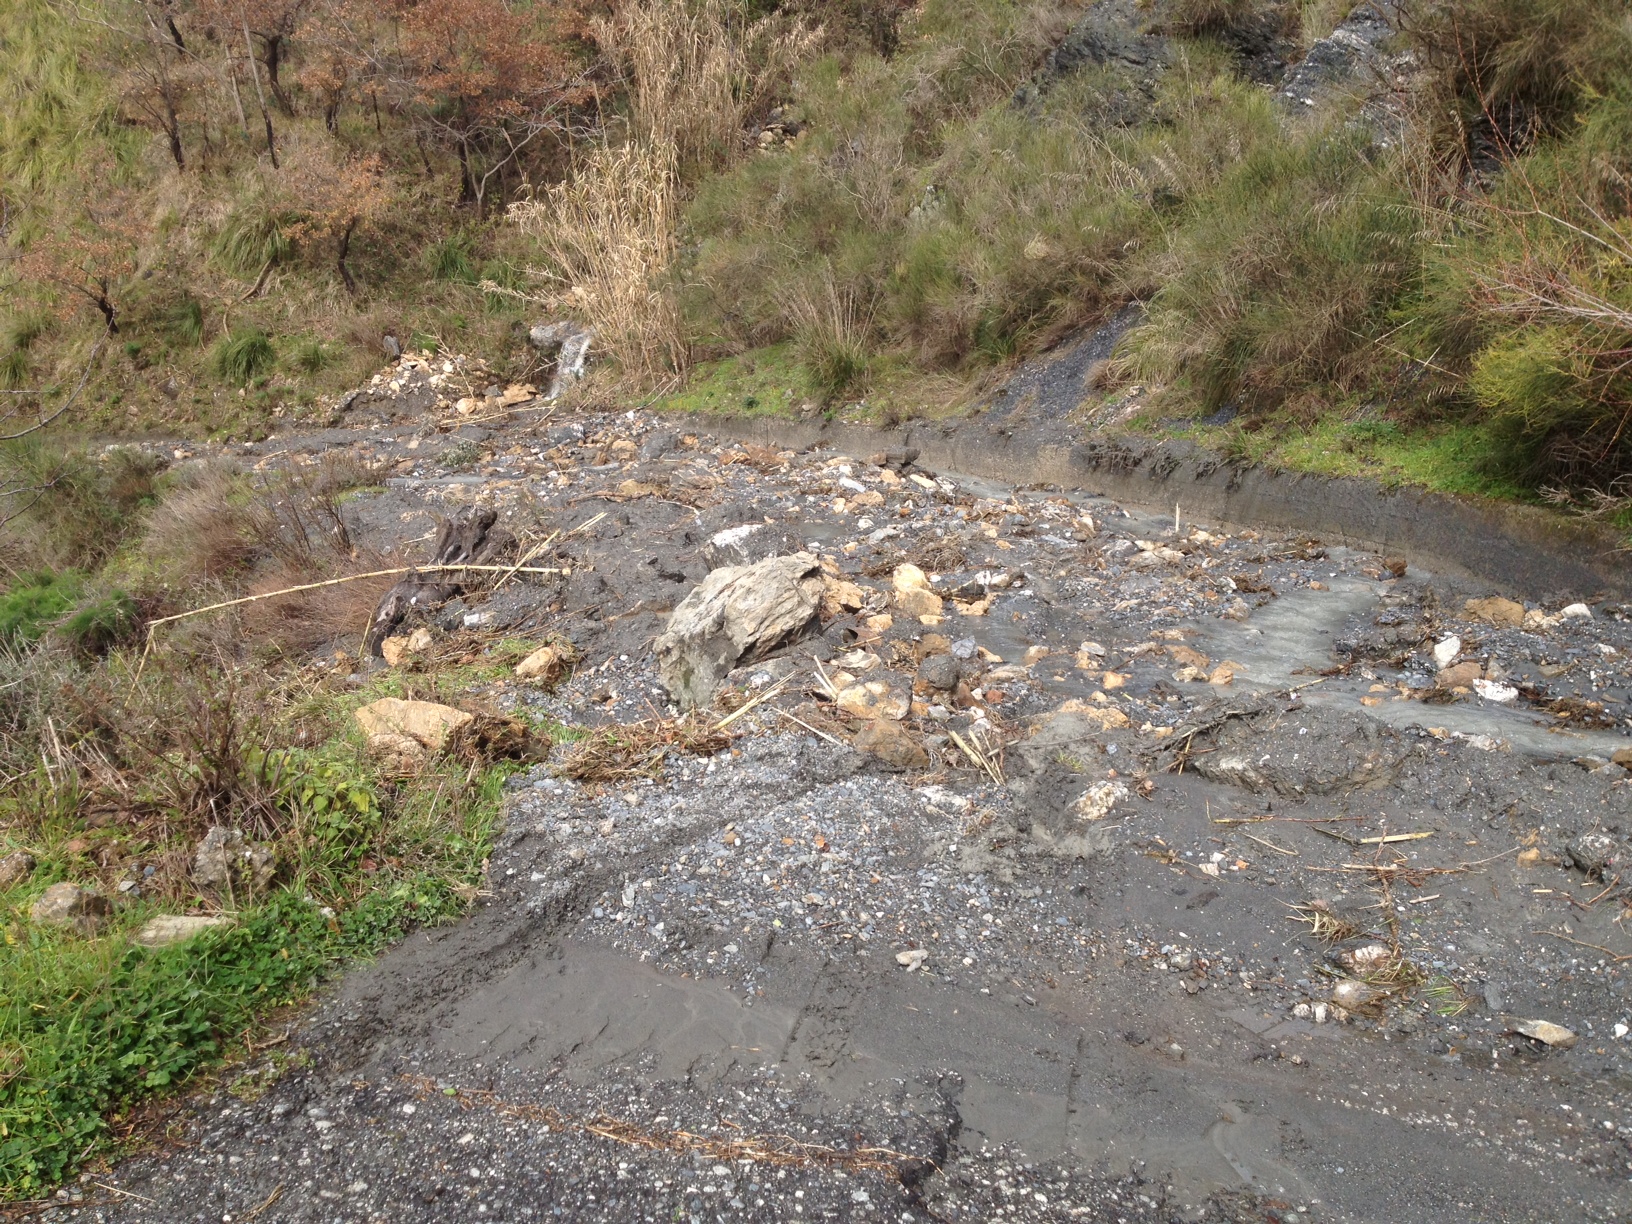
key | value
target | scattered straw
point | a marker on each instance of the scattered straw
(782, 1150)
(637, 750)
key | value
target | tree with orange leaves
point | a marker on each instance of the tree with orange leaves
(485, 79)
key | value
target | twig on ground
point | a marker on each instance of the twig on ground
(1581, 943)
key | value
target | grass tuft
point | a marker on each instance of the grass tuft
(243, 356)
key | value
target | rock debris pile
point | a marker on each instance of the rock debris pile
(914, 847)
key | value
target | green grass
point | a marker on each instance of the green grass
(1444, 458)
(89, 1026)
(774, 381)
(243, 356)
(34, 603)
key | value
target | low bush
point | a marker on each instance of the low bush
(243, 356)
(34, 602)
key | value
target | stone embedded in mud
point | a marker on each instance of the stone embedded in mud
(892, 743)
(1361, 956)
(1188, 656)
(736, 615)
(1555, 1035)
(919, 603)
(169, 929)
(1097, 801)
(1598, 853)
(1104, 718)
(1237, 609)
(1351, 996)
(1462, 675)
(1496, 610)
(1447, 649)
(15, 868)
(1575, 611)
(426, 722)
(874, 699)
(547, 664)
(939, 672)
(840, 596)
(913, 959)
(747, 543)
(1492, 691)
(69, 905)
(227, 862)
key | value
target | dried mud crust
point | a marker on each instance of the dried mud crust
(789, 980)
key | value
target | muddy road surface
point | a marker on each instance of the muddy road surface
(1199, 875)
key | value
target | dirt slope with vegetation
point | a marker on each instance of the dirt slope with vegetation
(300, 653)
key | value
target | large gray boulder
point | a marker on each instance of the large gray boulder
(738, 614)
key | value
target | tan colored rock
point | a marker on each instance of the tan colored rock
(1460, 675)
(1547, 1031)
(919, 603)
(169, 929)
(400, 754)
(908, 577)
(426, 722)
(893, 744)
(1096, 802)
(394, 650)
(1106, 717)
(1621, 757)
(1496, 610)
(737, 615)
(1034, 654)
(1225, 672)
(880, 624)
(840, 596)
(69, 905)
(874, 699)
(548, 664)
(1188, 656)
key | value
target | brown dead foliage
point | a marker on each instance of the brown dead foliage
(497, 737)
(637, 750)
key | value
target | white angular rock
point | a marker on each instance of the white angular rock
(736, 615)
(1447, 649)
(169, 929)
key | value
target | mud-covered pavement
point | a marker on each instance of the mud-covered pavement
(1072, 956)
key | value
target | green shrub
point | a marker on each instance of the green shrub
(1276, 279)
(34, 603)
(184, 320)
(252, 238)
(1535, 305)
(1504, 73)
(101, 623)
(452, 259)
(309, 356)
(243, 356)
(16, 338)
